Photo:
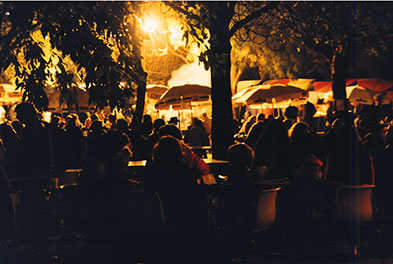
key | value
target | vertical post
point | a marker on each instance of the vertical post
(273, 102)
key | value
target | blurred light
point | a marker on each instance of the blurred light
(7, 13)
(47, 116)
(150, 25)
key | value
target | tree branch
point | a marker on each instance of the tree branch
(254, 15)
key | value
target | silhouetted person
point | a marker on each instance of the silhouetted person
(196, 136)
(6, 211)
(93, 138)
(272, 151)
(75, 142)
(173, 180)
(238, 196)
(147, 126)
(291, 114)
(193, 161)
(59, 144)
(33, 160)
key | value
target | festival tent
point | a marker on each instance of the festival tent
(8, 94)
(54, 100)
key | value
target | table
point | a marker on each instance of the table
(211, 161)
(137, 163)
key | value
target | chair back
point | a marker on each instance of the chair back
(355, 203)
(266, 208)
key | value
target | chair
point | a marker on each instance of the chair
(266, 212)
(355, 205)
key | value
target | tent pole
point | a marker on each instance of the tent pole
(273, 101)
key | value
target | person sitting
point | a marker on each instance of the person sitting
(306, 173)
(196, 136)
(168, 175)
(272, 151)
(383, 179)
(347, 161)
(105, 174)
(75, 150)
(154, 136)
(238, 196)
(256, 130)
(103, 189)
(192, 160)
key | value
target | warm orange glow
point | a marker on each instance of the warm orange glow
(150, 25)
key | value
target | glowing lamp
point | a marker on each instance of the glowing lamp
(150, 25)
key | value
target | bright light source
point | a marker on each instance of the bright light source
(150, 25)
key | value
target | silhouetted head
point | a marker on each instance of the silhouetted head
(167, 151)
(241, 156)
(291, 112)
(158, 123)
(170, 130)
(115, 145)
(299, 132)
(261, 117)
(96, 127)
(122, 125)
(26, 113)
(195, 122)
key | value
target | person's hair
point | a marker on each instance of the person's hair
(197, 122)
(170, 130)
(299, 132)
(96, 126)
(173, 120)
(146, 118)
(291, 112)
(27, 110)
(167, 151)
(241, 156)
(122, 124)
(158, 123)
(261, 117)
(112, 144)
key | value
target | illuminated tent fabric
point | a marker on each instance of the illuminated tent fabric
(155, 91)
(242, 85)
(81, 94)
(304, 84)
(181, 96)
(278, 81)
(362, 95)
(8, 94)
(376, 85)
(266, 93)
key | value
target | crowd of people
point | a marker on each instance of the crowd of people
(353, 150)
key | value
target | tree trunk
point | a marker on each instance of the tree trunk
(222, 123)
(235, 76)
(140, 106)
(339, 71)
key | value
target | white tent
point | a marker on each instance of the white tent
(8, 95)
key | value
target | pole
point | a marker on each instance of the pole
(273, 101)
